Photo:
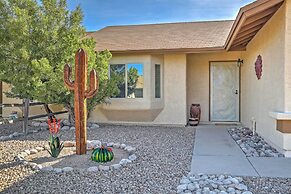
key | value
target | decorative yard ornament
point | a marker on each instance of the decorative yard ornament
(259, 67)
(102, 154)
(81, 93)
(54, 141)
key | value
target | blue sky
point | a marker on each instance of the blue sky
(139, 68)
(102, 13)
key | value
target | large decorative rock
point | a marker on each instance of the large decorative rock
(67, 169)
(39, 149)
(58, 170)
(66, 122)
(69, 144)
(49, 168)
(115, 166)
(94, 126)
(124, 162)
(105, 168)
(93, 144)
(92, 169)
(27, 151)
(33, 151)
(64, 128)
(132, 157)
(43, 124)
(35, 123)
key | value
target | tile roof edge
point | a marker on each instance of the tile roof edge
(166, 23)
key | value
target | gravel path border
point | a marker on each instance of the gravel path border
(252, 145)
(212, 184)
(91, 144)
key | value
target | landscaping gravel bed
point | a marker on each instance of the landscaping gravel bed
(163, 157)
(252, 145)
(212, 184)
(268, 185)
(8, 129)
(223, 184)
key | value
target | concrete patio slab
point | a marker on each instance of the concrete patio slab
(215, 152)
(272, 167)
(237, 166)
(215, 140)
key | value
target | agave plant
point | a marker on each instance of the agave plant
(54, 140)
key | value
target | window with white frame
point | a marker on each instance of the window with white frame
(129, 78)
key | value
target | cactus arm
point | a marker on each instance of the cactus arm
(93, 88)
(67, 77)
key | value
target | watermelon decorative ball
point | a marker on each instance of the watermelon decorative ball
(102, 154)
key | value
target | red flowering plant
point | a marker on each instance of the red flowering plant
(54, 140)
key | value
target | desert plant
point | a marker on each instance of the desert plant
(102, 154)
(54, 140)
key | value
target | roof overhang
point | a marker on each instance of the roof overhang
(250, 19)
(169, 51)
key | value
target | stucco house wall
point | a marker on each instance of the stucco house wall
(198, 78)
(169, 109)
(260, 97)
(175, 108)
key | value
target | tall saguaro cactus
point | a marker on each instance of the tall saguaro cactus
(79, 85)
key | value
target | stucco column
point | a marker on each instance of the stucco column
(287, 72)
(174, 111)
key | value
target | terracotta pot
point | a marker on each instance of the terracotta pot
(195, 113)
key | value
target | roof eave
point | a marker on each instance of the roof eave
(257, 10)
(169, 51)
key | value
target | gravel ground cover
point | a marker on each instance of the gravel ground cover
(8, 129)
(268, 185)
(252, 145)
(212, 184)
(224, 184)
(163, 157)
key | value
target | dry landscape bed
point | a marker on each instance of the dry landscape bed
(163, 158)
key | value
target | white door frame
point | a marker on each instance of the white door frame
(238, 110)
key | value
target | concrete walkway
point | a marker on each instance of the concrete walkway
(215, 152)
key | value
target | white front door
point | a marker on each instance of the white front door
(224, 91)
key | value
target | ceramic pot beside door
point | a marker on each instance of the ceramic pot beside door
(195, 114)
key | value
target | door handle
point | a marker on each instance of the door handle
(236, 91)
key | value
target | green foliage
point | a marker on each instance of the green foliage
(37, 40)
(132, 77)
(55, 146)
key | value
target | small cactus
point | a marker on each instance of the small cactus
(79, 85)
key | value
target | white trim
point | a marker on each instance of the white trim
(125, 77)
(280, 115)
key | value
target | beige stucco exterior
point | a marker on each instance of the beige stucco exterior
(198, 78)
(260, 97)
(169, 109)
